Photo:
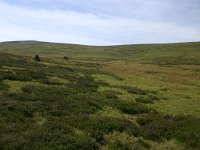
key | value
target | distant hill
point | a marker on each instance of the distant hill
(189, 52)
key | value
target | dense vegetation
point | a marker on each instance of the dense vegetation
(103, 98)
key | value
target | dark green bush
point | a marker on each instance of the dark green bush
(57, 134)
(136, 90)
(111, 94)
(15, 77)
(66, 58)
(139, 91)
(83, 84)
(149, 99)
(143, 99)
(33, 73)
(133, 108)
(185, 129)
(3, 86)
(117, 144)
(97, 127)
(27, 89)
(50, 82)
(37, 57)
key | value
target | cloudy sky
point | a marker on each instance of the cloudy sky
(100, 22)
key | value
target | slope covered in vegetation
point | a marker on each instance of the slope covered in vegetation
(117, 97)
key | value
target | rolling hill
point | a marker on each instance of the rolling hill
(102, 97)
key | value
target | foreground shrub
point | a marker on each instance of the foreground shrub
(98, 126)
(122, 141)
(158, 127)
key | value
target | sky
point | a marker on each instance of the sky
(100, 22)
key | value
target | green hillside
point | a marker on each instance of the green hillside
(99, 97)
(187, 51)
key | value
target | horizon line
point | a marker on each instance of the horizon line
(53, 42)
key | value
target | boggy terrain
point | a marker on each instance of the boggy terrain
(118, 97)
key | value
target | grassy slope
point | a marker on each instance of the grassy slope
(183, 50)
(126, 60)
(167, 77)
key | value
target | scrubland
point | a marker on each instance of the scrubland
(115, 97)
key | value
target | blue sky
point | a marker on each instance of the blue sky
(100, 22)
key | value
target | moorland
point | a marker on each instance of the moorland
(99, 97)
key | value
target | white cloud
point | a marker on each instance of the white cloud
(69, 26)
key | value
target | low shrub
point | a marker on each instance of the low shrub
(184, 129)
(37, 57)
(133, 108)
(143, 99)
(139, 91)
(15, 77)
(50, 81)
(27, 89)
(149, 99)
(66, 58)
(110, 94)
(136, 90)
(122, 141)
(3, 86)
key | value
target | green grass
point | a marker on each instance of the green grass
(184, 53)
(117, 97)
